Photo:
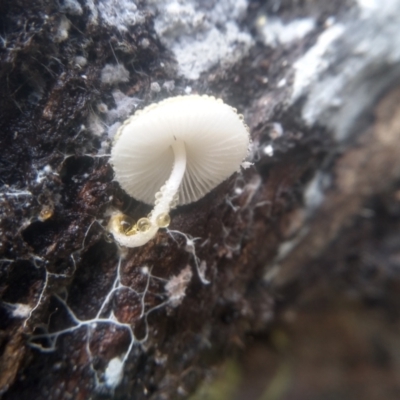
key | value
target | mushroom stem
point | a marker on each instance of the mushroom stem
(167, 194)
(146, 228)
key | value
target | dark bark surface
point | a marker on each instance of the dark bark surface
(303, 245)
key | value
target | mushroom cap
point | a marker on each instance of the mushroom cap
(216, 142)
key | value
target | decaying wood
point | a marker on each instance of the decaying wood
(303, 242)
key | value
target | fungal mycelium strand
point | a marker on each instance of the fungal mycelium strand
(173, 153)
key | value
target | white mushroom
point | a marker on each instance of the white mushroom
(172, 153)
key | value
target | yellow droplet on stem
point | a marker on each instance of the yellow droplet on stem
(163, 220)
(143, 225)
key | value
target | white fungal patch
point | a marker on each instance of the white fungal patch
(95, 124)
(72, 7)
(176, 286)
(268, 150)
(274, 32)
(42, 174)
(169, 86)
(155, 87)
(114, 373)
(20, 310)
(114, 73)
(125, 105)
(63, 28)
(121, 13)
(174, 153)
(80, 61)
(315, 192)
(202, 34)
(276, 131)
(313, 62)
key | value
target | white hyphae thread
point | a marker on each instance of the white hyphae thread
(173, 153)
